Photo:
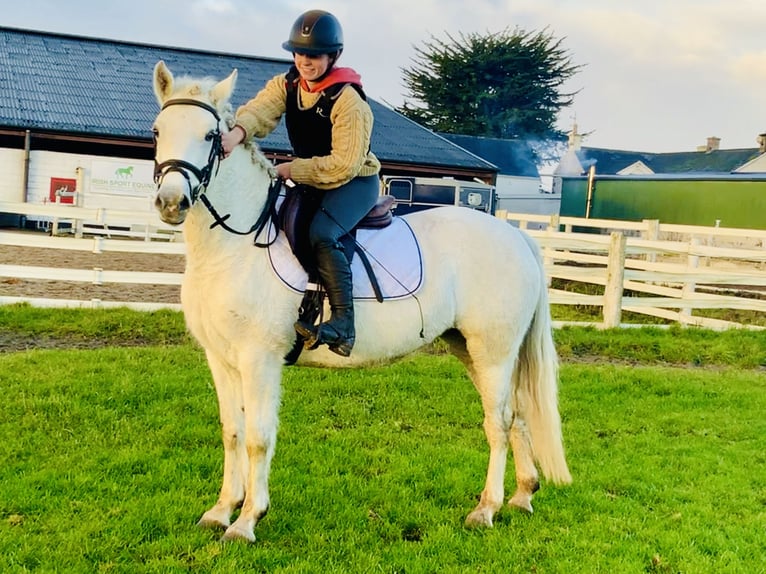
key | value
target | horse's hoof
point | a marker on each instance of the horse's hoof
(479, 518)
(211, 524)
(214, 519)
(235, 534)
(521, 502)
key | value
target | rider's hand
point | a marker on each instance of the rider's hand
(232, 139)
(283, 170)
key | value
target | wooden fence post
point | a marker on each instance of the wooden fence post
(687, 291)
(615, 274)
(652, 233)
(79, 199)
(553, 227)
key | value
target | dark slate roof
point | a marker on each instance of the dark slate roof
(718, 161)
(512, 157)
(71, 84)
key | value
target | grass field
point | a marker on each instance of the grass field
(111, 453)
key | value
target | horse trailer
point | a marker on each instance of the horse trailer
(419, 193)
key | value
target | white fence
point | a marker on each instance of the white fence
(79, 221)
(91, 231)
(655, 269)
(651, 268)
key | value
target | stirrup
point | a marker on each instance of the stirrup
(308, 334)
(318, 336)
(334, 339)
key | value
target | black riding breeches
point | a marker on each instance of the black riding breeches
(342, 208)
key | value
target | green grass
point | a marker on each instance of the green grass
(111, 455)
(23, 326)
(87, 326)
(673, 346)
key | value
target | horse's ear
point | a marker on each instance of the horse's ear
(163, 82)
(223, 90)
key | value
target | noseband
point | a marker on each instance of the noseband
(184, 167)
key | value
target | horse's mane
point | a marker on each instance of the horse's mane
(187, 86)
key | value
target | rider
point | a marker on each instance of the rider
(333, 156)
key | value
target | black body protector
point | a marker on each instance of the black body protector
(310, 130)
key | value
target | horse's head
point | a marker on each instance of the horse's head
(187, 136)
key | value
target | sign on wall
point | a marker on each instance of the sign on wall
(63, 189)
(126, 177)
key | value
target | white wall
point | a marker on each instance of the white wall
(137, 196)
(106, 182)
(523, 195)
(508, 186)
(757, 165)
(12, 178)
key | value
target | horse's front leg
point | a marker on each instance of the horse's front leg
(261, 380)
(228, 385)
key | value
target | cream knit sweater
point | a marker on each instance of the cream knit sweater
(351, 120)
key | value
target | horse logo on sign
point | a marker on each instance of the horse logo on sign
(124, 172)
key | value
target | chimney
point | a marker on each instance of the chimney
(713, 144)
(575, 139)
(761, 143)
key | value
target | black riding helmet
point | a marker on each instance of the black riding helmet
(315, 32)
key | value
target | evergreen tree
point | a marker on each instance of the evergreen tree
(506, 84)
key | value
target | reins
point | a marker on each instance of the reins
(269, 211)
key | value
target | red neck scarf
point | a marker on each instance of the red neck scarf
(336, 76)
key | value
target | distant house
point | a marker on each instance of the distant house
(758, 163)
(710, 186)
(518, 184)
(707, 159)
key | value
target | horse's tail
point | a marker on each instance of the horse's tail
(535, 380)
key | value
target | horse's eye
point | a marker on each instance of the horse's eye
(209, 136)
(155, 133)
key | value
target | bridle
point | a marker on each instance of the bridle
(203, 176)
(184, 167)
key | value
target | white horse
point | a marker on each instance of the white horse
(484, 291)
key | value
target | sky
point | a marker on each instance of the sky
(657, 75)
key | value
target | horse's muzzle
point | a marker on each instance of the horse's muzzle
(172, 211)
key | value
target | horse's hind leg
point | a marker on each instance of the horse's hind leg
(493, 384)
(497, 422)
(527, 481)
(229, 390)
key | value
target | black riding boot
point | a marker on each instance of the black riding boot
(335, 273)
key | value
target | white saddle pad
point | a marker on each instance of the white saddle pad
(393, 252)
